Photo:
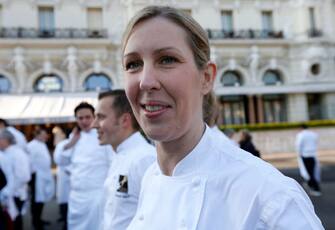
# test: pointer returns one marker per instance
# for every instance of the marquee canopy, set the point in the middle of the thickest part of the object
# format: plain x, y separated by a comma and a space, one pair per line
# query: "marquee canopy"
42, 108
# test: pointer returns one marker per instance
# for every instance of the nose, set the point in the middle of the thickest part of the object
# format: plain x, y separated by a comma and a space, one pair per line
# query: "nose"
149, 79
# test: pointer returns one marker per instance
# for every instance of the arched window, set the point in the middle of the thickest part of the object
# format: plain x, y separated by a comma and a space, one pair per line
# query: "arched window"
5, 84
48, 83
231, 78
272, 77
97, 82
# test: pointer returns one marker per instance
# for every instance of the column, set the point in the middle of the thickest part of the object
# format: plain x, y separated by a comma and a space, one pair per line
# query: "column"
260, 109
251, 109
297, 107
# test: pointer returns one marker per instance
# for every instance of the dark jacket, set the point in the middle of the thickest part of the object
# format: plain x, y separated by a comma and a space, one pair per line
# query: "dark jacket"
3, 180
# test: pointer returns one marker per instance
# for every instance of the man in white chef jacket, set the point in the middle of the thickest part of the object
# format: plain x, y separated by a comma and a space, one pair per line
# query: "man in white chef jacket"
6, 208
306, 147
20, 170
42, 182
19, 136
89, 167
118, 127
63, 183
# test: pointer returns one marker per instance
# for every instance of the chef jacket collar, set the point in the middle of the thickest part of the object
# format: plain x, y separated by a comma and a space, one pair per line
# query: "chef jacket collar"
193, 160
132, 140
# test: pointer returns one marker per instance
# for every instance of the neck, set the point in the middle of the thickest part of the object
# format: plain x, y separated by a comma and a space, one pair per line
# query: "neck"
172, 152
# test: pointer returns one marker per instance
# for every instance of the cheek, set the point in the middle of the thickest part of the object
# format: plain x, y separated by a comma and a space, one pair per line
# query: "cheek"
131, 91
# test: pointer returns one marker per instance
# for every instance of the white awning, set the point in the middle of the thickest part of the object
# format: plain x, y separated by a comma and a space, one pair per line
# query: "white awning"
42, 108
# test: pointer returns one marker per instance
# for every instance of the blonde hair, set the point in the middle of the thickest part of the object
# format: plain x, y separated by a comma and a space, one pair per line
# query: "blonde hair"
210, 109
196, 36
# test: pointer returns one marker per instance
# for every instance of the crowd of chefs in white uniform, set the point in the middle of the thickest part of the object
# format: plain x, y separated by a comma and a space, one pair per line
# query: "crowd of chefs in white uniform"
111, 180
97, 187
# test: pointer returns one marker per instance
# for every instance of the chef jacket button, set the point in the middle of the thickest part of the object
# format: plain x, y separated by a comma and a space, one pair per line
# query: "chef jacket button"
141, 217
196, 182
183, 225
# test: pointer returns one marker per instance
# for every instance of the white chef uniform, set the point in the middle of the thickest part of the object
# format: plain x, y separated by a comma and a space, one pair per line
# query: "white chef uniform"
63, 175
89, 167
20, 170
41, 165
122, 187
219, 186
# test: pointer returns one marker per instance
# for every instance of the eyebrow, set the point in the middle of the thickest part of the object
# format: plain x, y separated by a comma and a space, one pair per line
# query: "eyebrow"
155, 52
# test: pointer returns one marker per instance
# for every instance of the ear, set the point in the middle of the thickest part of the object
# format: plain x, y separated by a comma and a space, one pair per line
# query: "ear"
209, 74
125, 120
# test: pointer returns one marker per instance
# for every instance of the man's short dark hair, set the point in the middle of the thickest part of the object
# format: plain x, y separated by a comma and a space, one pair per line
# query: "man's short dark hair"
304, 126
38, 130
83, 105
4, 122
120, 104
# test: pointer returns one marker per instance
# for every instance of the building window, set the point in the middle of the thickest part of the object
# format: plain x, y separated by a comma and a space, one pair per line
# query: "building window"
1, 21
48, 83
272, 78
233, 109
227, 20
97, 82
46, 21
315, 106
5, 84
312, 23
267, 21
231, 78
94, 18
315, 69
274, 108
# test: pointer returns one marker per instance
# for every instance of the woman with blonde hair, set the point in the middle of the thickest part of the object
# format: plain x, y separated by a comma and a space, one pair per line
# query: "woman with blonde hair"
198, 181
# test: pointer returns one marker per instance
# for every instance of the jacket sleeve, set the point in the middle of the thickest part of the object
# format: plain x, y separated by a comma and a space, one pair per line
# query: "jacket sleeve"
22, 172
62, 157
298, 144
289, 211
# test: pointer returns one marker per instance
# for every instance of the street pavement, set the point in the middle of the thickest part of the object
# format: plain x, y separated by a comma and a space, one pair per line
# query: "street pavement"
286, 163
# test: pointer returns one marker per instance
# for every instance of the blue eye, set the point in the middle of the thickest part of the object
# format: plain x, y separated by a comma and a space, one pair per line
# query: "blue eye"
133, 65
168, 60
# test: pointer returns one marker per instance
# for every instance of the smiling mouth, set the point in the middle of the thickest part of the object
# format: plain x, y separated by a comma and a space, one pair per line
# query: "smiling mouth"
154, 108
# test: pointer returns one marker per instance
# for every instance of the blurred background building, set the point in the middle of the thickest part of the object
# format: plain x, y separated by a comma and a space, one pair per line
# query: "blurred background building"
276, 58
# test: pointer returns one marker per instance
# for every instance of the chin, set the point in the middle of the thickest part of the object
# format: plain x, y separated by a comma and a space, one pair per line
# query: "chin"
101, 142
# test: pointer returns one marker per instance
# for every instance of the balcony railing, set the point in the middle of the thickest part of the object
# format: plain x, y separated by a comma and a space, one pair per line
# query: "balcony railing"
245, 34
313, 33
67, 33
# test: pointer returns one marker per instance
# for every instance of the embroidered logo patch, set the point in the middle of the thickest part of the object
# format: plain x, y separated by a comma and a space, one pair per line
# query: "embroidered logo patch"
123, 182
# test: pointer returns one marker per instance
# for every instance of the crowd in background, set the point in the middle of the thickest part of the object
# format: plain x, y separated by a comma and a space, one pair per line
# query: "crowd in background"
32, 162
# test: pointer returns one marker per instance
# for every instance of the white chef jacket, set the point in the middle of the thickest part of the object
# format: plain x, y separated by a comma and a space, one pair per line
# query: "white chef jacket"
219, 186
5, 165
41, 165
20, 168
220, 134
122, 186
306, 146
63, 175
7, 194
89, 167
19, 137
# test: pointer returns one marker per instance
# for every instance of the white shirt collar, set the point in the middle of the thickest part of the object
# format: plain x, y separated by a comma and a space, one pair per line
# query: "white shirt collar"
132, 140
192, 161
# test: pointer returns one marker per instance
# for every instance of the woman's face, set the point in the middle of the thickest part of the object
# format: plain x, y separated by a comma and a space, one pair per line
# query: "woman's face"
163, 84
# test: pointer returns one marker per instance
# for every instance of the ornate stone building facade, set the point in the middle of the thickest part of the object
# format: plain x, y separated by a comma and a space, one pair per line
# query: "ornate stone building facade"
276, 58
